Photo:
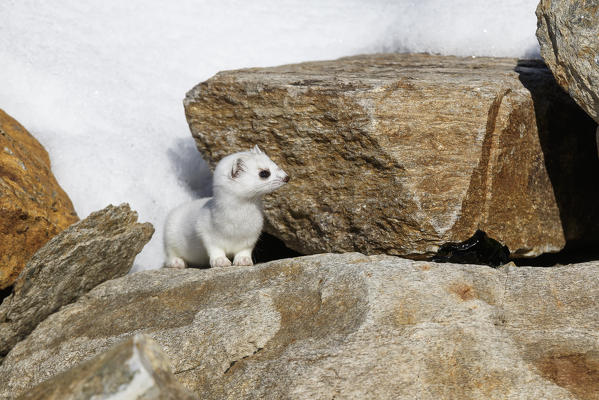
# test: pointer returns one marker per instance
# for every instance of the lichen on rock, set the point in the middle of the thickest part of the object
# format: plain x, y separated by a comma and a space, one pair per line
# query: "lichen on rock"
33, 206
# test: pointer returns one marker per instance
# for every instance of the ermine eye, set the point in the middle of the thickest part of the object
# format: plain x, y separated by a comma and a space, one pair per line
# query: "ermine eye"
264, 174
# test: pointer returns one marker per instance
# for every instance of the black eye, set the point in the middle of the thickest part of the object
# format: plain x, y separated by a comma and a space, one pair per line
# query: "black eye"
264, 174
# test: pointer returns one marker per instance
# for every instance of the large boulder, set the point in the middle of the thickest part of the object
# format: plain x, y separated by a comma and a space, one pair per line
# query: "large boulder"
134, 369
344, 326
568, 32
98, 248
401, 153
33, 207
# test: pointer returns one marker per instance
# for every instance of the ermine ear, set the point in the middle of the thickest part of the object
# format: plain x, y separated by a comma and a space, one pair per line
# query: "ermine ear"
238, 168
256, 150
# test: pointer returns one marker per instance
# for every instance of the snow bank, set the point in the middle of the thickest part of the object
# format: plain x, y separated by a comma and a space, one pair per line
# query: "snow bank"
101, 84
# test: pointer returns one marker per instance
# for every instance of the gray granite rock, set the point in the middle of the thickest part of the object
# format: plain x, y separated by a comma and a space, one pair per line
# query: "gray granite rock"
568, 32
134, 369
340, 326
96, 249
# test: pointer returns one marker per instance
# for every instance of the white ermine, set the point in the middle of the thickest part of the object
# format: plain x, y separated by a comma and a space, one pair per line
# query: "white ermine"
207, 231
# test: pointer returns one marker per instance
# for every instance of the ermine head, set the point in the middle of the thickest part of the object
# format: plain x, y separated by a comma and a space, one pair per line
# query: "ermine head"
248, 174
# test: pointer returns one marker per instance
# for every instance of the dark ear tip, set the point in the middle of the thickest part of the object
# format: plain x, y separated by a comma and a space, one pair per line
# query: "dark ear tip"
237, 168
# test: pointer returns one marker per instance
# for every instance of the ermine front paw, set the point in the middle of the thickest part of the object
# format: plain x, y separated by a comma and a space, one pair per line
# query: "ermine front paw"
243, 261
220, 262
176, 262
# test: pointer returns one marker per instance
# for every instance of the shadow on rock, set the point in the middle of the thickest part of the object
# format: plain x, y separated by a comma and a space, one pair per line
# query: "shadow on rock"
190, 168
567, 137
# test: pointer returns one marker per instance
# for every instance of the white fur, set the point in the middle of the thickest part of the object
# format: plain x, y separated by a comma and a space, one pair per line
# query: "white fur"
209, 230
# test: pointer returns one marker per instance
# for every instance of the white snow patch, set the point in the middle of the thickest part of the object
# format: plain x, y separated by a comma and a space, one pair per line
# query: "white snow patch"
101, 83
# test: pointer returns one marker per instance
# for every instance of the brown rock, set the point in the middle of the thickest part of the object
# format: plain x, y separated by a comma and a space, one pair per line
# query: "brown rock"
33, 207
103, 246
340, 326
134, 369
568, 32
399, 154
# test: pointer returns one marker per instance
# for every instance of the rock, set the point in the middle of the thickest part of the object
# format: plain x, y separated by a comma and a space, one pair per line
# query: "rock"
568, 32
101, 247
33, 207
401, 153
134, 369
340, 325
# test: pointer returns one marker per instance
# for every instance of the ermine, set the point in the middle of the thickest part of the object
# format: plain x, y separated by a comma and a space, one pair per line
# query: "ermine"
209, 230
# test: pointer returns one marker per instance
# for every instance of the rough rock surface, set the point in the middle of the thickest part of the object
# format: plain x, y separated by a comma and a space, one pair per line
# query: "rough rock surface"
134, 369
33, 207
98, 248
341, 326
568, 32
399, 154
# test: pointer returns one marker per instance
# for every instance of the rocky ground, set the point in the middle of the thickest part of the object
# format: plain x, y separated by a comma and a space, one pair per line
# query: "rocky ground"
391, 156
344, 325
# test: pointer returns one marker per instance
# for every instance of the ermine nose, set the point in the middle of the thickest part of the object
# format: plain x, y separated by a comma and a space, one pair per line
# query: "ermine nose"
286, 178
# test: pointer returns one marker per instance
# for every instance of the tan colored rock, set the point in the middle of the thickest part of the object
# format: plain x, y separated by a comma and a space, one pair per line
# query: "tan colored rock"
568, 32
340, 325
399, 154
103, 246
33, 207
134, 369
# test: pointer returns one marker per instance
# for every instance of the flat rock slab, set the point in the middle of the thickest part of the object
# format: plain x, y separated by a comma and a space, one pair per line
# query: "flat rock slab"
33, 206
134, 369
568, 32
340, 326
400, 153
103, 246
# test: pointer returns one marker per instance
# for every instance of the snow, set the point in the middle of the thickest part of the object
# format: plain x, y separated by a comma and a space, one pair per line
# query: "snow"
101, 83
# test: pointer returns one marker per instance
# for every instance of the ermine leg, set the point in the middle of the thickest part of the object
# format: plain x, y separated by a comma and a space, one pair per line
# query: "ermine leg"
176, 262
218, 258
243, 258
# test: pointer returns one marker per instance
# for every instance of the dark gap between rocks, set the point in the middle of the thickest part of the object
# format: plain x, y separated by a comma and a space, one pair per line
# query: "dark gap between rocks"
567, 138
571, 254
478, 249
4, 293
269, 248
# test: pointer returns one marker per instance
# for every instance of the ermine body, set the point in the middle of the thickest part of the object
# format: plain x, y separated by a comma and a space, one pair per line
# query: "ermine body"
209, 230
